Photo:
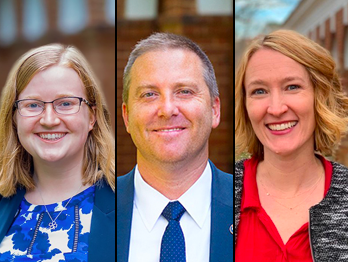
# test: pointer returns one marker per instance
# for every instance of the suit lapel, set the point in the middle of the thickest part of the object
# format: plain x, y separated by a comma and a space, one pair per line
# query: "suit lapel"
102, 235
221, 239
8, 209
125, 198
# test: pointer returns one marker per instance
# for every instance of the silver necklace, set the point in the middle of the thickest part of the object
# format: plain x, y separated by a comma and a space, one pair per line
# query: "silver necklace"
53, 224
298, 204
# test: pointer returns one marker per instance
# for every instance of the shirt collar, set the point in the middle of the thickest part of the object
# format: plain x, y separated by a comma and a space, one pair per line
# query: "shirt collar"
150, 203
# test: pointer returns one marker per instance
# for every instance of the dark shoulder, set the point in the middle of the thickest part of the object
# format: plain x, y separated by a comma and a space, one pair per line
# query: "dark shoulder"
339, 169
125, 187
123, 181
221, 174
223, 177
339, 175
103, 188
222, 186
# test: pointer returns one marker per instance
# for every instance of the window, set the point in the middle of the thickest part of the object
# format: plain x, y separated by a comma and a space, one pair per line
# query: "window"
110, 11
72, 15
8, 26
216, 7
34, 19
140, 9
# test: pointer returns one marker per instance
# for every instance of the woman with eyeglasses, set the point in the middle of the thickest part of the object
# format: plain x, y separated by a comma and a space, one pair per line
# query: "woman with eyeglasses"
57, 161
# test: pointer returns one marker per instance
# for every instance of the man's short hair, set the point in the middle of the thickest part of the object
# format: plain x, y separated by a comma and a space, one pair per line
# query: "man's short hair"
162, 41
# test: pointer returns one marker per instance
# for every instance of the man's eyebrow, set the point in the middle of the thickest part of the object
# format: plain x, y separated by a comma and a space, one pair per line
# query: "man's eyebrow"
139, 88
186, 83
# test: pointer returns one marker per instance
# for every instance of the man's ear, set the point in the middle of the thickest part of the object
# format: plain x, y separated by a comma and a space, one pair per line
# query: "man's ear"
216, 112
125, 115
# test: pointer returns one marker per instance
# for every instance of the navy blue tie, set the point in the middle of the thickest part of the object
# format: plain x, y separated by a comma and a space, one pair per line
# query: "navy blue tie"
173, 241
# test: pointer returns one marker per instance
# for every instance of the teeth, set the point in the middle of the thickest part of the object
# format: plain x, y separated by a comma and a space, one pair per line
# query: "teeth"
170, 130
51, 136
283, 126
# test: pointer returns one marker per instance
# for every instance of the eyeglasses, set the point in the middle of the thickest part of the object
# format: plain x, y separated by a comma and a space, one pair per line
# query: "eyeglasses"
64, 106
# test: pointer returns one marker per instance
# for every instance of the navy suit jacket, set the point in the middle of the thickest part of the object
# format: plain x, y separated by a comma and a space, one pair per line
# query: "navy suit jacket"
221, 238
101, 246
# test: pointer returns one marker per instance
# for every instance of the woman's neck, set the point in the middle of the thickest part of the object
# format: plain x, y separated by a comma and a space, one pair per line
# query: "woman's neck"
290, 174
57, 182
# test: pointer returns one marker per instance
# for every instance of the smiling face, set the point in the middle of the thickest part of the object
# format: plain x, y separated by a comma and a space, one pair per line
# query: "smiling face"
280, 102
170, 113
50, 137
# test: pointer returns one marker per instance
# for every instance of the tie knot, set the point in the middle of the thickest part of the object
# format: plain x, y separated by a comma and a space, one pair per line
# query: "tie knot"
173, 211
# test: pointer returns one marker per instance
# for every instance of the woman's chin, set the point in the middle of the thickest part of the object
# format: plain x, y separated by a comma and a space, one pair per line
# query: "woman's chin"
283, 152
49, 158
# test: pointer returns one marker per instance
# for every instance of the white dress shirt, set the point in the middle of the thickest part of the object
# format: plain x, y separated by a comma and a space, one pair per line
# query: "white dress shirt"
148, 225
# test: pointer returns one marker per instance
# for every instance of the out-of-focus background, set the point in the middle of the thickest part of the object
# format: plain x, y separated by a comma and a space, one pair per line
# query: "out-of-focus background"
87, 24
324, 21
210, 25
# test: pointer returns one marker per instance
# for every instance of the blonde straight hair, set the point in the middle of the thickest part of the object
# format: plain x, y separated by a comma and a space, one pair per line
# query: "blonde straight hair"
330, 102
16, 164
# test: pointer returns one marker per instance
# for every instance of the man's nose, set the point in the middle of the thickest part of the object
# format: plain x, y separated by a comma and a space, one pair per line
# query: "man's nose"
167, 107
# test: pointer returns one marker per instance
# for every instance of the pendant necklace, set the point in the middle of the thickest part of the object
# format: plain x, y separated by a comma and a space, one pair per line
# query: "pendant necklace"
311, 190
53, 225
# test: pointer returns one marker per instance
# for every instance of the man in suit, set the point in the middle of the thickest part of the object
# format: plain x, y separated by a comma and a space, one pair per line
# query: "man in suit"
175, 205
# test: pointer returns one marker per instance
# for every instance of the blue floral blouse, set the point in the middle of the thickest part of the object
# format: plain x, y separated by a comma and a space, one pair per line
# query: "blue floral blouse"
31, 239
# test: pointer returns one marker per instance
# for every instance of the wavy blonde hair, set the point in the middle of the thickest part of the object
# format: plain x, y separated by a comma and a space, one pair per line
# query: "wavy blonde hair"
16, 164
331, 104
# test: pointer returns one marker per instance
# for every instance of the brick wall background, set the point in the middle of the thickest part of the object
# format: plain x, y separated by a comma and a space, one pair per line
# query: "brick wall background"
214, 34
96, 41
340, 48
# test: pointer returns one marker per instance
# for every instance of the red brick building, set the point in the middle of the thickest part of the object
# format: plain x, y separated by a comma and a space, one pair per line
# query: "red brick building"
214, 34
88, 25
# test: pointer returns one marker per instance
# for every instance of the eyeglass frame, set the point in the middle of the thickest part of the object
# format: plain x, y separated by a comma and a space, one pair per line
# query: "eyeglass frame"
54, 108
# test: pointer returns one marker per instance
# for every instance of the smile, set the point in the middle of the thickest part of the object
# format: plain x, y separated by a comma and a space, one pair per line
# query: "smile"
281, 127
170, 130
52, 136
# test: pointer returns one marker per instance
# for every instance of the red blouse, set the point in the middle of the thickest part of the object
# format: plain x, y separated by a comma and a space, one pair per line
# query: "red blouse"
258, 238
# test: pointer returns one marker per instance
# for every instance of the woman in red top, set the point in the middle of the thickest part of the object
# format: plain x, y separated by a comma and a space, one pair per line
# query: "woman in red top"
291, 203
